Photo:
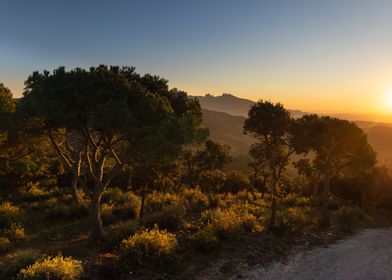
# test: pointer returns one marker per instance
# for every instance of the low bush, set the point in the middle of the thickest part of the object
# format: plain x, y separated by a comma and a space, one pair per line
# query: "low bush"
107, 213
8, 213
169, 217
349, 217
118, 232
113, 195
125, 204
52, 202
157, 200
194, 199
156, 246
56, 268
15, 232
293, 200
293, 219
33, 191
5, 244
19, 260
128, 207
229, 222
70, 211
205, 239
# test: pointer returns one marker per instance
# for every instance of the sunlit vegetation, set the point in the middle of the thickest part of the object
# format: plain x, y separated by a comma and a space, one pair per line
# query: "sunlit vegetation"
53, 268
105, 171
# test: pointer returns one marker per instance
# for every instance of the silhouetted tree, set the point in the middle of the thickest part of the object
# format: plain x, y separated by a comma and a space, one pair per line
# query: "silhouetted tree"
104, 116
271, 125
214, 156
340, 147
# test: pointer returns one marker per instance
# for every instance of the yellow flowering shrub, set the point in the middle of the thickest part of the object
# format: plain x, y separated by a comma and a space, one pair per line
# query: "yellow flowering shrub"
8, 213
229, 222
53, 268
33, 191
149, 246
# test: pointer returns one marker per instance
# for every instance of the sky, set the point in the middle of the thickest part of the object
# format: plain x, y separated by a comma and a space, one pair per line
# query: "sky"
313, 55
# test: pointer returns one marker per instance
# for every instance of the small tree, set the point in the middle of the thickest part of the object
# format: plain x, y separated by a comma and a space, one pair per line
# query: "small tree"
271, 125
214, 156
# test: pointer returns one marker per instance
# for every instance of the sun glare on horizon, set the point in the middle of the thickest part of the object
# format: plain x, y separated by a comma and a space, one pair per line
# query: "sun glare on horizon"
388, 101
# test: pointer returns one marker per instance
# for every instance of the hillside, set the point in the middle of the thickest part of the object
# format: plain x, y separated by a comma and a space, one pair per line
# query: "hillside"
227, 129
232, 105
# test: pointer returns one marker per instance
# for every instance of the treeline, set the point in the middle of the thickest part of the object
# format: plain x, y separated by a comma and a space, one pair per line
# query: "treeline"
87, 131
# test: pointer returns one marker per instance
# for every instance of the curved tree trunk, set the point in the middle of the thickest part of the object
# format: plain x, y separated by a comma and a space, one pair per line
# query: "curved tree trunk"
95, 218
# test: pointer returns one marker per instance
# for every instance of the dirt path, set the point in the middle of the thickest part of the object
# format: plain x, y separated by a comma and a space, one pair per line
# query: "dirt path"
366, 255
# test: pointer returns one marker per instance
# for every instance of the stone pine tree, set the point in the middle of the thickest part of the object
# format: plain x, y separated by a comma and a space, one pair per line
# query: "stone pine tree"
102, 117
340, 147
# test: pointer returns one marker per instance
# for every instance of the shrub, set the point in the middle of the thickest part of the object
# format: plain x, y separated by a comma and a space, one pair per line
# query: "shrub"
52, 202
19, 260
8, 213
15, 232
349, 217
107, 213
194, 199
293, 219
58, 268
33, 191
157, 200
153, 245
235, 182
128, 207
205, 239
120, 231
249, 222
125, 204
293, 200
69, 197
113, 195
63, 211
230, 222
170, 217
4, 244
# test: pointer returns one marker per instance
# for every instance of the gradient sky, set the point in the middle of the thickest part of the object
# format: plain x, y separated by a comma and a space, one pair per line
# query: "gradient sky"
313, 55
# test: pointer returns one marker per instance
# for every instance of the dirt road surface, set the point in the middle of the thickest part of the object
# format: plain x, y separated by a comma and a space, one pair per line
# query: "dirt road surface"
366, 255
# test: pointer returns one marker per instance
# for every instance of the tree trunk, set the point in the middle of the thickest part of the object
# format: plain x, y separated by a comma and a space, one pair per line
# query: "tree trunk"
273, 208
95, 218
76, 175
325, 211
74, 186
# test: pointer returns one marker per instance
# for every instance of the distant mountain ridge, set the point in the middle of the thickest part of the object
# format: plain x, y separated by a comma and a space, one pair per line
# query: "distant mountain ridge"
232, 105
227, 127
